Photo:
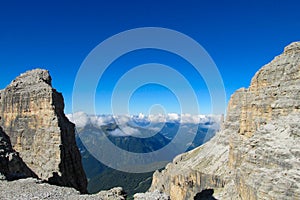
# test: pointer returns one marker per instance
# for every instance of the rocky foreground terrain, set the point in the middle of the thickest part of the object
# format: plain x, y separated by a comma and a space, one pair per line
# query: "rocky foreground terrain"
257, 153
35, 189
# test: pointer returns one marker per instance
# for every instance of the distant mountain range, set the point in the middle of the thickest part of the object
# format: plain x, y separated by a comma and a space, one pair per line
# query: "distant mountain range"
138, 134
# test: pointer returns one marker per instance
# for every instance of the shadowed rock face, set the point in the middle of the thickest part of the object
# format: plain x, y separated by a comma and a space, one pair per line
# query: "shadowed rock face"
256, 155
11, 165
31, 114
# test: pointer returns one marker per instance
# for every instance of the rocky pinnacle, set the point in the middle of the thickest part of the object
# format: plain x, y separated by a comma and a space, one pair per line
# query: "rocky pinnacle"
32, 115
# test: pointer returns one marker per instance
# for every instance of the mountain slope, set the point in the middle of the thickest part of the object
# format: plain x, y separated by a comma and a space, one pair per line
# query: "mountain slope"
102, 177
256, 155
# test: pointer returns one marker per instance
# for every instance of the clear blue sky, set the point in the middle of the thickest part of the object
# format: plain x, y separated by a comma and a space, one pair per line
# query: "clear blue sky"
240, 36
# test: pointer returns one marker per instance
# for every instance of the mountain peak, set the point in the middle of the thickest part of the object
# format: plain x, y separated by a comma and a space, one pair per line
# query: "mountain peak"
294, 47
32, 77
32, 115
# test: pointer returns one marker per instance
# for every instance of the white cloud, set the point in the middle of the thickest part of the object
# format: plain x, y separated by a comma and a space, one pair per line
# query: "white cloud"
160, 118
173, 117
129, 130
141, 116
81, 119
117, 132
101, 120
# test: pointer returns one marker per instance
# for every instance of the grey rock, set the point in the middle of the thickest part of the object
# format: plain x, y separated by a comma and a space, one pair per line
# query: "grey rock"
112, 194
155, 195
256, 154
11, 165
32, 115
31, 188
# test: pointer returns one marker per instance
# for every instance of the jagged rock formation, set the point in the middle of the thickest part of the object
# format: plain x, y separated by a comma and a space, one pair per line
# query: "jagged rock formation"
257, 154
11, 165
31, 114
35, 189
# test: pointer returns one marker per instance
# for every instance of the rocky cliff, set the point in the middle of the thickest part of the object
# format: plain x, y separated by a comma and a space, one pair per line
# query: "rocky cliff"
11, 165
31, 114
257, 154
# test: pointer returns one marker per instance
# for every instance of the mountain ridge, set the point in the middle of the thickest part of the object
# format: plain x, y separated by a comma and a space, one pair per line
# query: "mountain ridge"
161, 134
250, 158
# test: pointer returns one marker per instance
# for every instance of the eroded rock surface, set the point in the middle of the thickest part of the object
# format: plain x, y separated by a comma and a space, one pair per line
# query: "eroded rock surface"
257, 154
35, 189
155, 195
31, 114
11, 165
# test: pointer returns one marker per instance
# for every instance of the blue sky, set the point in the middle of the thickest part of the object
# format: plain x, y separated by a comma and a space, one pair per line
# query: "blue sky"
240, 36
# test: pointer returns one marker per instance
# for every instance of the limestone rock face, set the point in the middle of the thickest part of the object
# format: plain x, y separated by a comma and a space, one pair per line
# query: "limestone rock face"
31, 114
11, 165
257, 153
155, 195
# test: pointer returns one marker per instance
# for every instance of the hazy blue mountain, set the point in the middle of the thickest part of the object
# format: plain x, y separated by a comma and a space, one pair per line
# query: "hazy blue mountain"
125, 132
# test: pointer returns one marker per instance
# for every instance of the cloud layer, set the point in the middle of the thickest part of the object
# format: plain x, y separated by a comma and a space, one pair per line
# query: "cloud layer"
82, 119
